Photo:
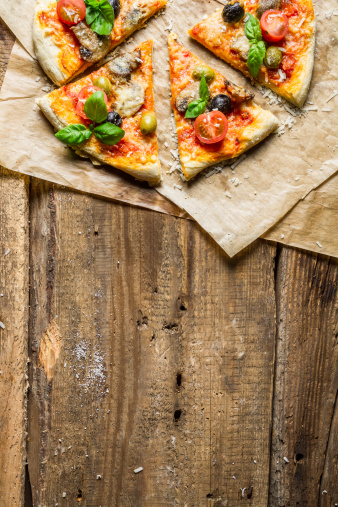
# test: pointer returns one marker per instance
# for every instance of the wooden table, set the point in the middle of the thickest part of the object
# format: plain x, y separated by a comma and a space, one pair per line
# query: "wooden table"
131, 340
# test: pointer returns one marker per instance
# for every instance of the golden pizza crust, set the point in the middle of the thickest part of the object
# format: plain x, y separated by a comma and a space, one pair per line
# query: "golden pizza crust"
215, 35
57, 48
197, 156
148, 169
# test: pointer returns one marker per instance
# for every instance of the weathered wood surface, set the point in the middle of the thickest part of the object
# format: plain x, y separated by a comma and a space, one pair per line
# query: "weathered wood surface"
304, 429
150, 348
14, 293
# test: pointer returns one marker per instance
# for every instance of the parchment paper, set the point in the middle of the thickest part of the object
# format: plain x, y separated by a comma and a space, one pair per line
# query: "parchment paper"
262, 189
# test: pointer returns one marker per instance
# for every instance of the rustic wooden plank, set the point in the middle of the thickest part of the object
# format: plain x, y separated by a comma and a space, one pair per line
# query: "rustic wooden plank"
158, 353
306, 381
14, 302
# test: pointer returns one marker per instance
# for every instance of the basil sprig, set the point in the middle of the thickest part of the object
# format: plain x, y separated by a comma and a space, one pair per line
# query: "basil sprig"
257, 46
100, 16
108, 133
198, 106
74, 134
96, 110
95, 107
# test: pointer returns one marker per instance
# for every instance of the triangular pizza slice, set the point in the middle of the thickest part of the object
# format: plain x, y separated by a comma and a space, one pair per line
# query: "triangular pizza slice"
270, 41
70, 35
215, 119
109, 115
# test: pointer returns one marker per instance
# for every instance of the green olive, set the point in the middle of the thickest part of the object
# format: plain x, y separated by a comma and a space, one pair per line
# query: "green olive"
273, 57
103, 83
148, 123
209, 74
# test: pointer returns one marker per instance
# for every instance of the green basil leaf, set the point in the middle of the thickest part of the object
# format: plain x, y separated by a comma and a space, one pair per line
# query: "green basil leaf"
195, 108
73, 134
256, 57
95, 107
92, 3
101, 26
204, 90
108, 133
107, 11
91, 14
104, 22
252, 29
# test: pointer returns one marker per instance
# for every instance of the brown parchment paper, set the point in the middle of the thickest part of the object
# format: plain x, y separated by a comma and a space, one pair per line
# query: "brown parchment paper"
234, 207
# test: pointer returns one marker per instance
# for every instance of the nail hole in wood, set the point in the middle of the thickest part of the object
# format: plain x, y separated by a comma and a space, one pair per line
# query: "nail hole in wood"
179, 379
177, 415
299, 457
210, 495
250, 491
183, 308
79, 496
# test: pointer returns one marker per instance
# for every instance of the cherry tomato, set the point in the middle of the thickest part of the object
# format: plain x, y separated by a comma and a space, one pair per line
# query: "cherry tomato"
84, 94
71, 12
274, 25
211, 127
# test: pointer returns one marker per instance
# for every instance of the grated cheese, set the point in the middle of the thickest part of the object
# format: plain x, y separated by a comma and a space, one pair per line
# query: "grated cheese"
320, 246
178, 187
312, 108
326, 109
301, 22
2, 325
238, 161
334, 94
282, 75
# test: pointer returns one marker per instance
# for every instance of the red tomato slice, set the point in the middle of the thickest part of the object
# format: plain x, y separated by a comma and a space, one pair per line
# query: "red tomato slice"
71, 12
274, 25
211, 127
84, 94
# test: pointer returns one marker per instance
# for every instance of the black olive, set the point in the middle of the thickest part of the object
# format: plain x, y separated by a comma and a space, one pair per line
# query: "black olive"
116, 5
85, 53
220, 102
115, 118
232, 12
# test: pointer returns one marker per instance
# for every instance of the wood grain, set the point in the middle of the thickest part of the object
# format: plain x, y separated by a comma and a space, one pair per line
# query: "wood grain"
166, 359
14, 301
304, 447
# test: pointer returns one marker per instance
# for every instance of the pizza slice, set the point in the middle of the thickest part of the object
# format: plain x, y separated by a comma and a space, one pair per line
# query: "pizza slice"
270, 41
109, 115
71, 35
215, 119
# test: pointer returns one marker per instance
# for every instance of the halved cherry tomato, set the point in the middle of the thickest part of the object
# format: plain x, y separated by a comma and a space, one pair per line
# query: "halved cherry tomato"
71, 12
211, 127
274, 25
84, 94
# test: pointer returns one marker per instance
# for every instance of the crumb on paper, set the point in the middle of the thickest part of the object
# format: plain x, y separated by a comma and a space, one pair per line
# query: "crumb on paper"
227, 194
179, 187
64, 494
138, 470
282, 236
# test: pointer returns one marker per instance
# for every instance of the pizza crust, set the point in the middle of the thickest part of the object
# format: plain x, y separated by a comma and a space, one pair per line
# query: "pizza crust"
265, 123
150, 172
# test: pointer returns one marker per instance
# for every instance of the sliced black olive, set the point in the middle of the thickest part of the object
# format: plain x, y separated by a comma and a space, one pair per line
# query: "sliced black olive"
233, 11
85, 53
221, 102
114, 118
116, 5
